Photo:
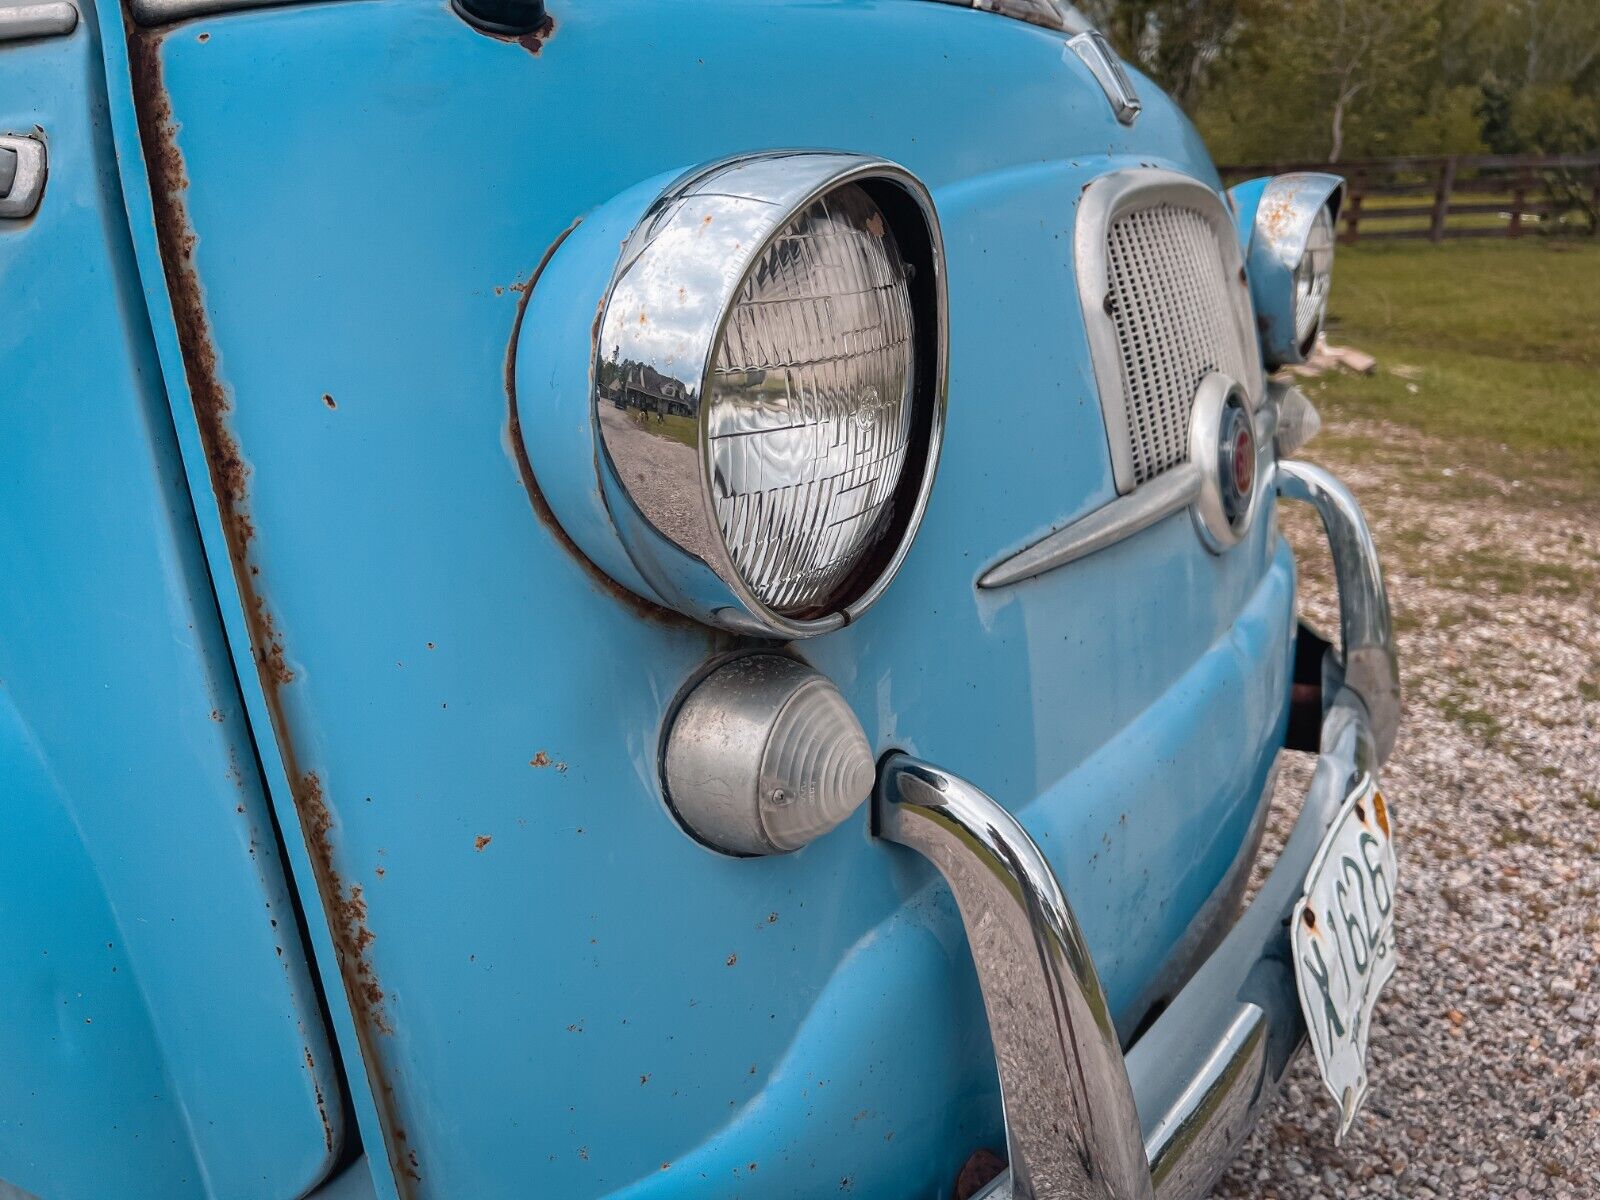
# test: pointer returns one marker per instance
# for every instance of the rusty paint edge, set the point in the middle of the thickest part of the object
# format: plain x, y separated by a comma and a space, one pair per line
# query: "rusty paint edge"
229, 473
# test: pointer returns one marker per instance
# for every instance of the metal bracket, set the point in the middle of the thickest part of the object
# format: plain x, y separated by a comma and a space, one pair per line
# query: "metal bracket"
26, 160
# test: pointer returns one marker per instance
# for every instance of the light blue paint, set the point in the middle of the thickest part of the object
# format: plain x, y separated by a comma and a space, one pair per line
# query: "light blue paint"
590, 1002
160, 1035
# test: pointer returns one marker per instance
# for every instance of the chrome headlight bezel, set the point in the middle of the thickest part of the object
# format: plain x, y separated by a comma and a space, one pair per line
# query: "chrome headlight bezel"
676, 284
1286, 215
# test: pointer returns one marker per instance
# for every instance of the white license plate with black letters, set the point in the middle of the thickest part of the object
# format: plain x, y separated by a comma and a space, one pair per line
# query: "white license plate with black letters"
1343, 936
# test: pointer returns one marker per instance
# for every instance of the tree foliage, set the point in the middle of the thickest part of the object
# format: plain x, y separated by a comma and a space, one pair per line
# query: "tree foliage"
1337, 79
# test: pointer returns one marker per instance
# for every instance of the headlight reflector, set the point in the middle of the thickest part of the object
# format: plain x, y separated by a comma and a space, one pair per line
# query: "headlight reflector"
1313, 276
811, 402
769, 388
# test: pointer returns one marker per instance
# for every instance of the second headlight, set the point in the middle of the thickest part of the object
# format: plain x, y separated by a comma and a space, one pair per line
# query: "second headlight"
769, 387
1288, 227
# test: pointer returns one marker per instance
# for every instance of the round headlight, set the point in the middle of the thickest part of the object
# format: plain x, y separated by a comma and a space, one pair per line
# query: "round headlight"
769, 388
1290, 258
1313, 276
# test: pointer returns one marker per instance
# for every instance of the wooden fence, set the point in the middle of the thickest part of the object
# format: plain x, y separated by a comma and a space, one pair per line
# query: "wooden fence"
1477, 195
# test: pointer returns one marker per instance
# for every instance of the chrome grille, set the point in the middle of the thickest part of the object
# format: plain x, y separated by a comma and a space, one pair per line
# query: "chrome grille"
1169, 302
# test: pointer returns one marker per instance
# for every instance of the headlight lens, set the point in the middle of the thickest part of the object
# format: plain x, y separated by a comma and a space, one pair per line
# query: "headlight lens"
1312, 278
769, 388
810, 403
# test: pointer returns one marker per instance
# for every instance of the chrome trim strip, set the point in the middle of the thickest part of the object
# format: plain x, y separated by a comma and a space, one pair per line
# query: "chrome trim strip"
1168, 493
1071, 1126
165, 12
21, 21
1371, 666
1096, 54
1048, 14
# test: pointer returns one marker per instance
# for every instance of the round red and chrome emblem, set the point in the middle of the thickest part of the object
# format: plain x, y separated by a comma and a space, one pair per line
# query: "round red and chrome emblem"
1244, 460
1236, 461
1222, 442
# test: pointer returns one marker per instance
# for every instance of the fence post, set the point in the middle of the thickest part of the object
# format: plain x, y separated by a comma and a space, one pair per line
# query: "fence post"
1352, 209
1441, 198
1519, 200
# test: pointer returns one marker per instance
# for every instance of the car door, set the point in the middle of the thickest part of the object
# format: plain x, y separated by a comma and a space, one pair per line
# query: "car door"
161, 1033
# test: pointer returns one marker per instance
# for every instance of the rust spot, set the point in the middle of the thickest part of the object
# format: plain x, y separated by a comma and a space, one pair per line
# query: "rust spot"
378, 871
322, 1104
1310, 919
328, 400
216, 714
534, 41
644, 1079
540, 759
977, 1173
482, 840
1382, 810
541, 507
732, 958
204, 37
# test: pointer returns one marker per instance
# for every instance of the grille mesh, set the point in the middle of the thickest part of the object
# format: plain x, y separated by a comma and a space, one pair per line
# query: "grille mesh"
1170, 307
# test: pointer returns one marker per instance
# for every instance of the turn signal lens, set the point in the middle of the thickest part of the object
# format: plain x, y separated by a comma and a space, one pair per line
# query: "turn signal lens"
810, 403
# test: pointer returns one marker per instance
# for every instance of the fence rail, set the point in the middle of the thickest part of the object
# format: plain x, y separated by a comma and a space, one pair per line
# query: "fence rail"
1512, 193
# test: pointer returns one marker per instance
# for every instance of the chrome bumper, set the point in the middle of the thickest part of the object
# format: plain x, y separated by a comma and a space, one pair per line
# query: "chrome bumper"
1082, 1119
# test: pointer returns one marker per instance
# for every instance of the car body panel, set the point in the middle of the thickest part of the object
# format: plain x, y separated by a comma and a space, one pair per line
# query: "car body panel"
549, 984
161, 1023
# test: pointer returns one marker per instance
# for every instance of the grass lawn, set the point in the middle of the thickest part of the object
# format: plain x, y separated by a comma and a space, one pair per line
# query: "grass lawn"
1494, 345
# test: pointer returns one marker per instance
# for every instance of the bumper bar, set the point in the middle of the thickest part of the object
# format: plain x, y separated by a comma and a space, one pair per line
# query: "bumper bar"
1082, 1120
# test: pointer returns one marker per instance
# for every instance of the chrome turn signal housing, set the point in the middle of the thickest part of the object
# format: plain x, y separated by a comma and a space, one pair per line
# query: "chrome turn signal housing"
768, 388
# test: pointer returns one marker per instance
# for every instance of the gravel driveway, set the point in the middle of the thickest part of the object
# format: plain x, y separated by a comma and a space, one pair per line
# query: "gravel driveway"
1486, 1073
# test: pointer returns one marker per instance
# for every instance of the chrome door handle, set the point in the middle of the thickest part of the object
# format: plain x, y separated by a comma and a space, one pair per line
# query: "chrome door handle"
54, 19
22, 172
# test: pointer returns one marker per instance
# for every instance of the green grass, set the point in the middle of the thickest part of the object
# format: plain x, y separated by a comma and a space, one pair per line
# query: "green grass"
1502, 342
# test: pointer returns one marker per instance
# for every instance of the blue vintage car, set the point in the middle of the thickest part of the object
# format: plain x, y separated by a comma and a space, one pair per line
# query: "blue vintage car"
657, 598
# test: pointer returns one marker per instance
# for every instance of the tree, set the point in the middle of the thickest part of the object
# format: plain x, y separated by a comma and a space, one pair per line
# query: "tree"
1175, 42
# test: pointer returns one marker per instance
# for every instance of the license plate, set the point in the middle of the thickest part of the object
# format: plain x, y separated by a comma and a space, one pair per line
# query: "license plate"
1344, 948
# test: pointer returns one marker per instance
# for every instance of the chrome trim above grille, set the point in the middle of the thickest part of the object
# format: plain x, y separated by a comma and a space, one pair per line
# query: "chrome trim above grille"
1105, 526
